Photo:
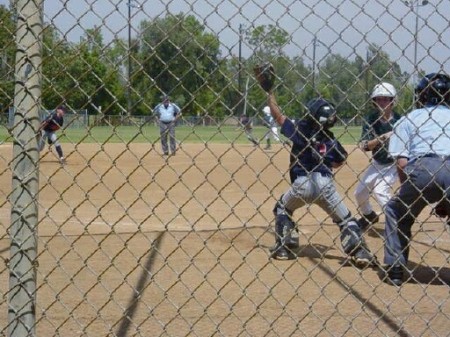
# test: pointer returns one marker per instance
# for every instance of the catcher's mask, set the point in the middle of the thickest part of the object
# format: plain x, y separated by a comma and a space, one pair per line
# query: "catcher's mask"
433, 89
322, 112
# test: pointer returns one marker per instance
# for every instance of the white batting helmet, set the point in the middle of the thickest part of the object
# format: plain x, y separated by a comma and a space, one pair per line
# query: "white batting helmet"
266, 110
384, 89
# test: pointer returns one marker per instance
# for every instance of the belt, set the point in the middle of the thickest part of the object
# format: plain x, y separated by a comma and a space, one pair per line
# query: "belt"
167, 122
434, 155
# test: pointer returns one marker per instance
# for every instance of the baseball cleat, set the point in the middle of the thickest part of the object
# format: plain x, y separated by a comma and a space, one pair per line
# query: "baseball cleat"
363, 257
282, 253
367, 220
394, 275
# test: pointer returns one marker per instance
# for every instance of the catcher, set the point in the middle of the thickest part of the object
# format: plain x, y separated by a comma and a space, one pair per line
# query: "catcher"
314, 154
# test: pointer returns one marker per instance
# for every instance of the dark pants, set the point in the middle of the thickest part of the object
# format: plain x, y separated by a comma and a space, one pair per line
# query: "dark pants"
167, 130
428, 182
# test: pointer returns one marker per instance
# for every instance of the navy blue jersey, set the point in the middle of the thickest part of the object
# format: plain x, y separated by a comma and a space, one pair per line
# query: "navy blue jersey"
312, 150
246, 122
53, 122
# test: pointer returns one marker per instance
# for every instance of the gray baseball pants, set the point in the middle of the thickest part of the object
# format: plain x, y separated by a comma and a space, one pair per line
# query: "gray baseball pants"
167, 130
316, 189
428, 182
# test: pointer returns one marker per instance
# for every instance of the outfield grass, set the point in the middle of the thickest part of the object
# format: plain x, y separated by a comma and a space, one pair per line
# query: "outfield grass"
186, 134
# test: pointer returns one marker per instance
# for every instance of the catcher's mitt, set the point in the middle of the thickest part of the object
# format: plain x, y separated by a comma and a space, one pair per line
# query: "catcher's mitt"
265, 74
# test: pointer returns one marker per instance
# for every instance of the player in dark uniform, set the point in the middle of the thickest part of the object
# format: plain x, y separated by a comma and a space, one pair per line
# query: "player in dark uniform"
247, 125
48, 129
314, 154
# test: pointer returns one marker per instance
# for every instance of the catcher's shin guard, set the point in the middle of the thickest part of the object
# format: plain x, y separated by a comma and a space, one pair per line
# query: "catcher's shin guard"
286, 240
354, 244
351, 237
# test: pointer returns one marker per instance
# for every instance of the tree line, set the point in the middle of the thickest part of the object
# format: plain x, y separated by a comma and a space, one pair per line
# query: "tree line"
177, 55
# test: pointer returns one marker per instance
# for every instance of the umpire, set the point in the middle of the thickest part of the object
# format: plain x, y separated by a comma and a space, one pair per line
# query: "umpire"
167, 114
421, 145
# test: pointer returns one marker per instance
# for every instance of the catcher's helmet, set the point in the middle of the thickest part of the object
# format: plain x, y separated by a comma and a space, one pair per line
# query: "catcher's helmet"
384, 89
322, 112
433, 89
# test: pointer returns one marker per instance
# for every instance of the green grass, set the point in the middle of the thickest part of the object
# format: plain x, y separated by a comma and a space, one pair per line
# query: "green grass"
185, 134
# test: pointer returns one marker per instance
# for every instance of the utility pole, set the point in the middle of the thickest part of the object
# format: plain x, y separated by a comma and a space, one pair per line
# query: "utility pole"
315, 41
314, 64
129, 70
23, 229
240, 59
414, 6
129, 103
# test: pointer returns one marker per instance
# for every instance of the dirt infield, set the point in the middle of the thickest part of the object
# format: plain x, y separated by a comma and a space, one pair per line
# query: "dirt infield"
135, 244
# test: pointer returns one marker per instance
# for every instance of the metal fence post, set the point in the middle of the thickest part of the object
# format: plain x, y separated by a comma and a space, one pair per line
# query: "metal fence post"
25, 173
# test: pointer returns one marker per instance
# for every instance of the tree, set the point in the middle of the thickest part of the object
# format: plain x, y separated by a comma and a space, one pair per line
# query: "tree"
376, 68
7, 57
267, 41
338, 82
99, 74
78, 75
55, 80
178, 57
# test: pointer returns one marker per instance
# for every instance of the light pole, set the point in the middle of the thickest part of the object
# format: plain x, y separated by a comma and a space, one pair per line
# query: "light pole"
414, 6
129, 61
315, 40
367, 73
241, 30
129, 101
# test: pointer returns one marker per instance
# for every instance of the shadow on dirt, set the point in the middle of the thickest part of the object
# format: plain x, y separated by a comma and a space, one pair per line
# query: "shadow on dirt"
127, 319
433, 275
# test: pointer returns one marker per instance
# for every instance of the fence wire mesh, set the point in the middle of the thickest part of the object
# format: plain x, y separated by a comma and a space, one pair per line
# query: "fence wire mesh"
132, 235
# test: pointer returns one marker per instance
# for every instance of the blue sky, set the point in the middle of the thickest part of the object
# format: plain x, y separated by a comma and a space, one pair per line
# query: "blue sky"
341, 26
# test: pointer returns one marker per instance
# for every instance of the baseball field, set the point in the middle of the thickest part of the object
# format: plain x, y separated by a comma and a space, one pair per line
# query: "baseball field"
132, 243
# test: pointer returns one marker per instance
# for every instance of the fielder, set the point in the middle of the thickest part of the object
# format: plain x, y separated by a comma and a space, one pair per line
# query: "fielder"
247, 125
381, 173
271, 125
48, 129
421, 145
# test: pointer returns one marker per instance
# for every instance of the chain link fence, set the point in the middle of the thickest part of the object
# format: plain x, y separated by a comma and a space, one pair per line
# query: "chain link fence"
125, 241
